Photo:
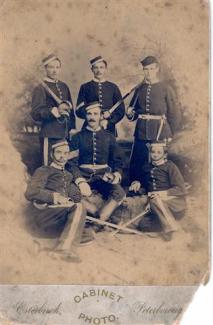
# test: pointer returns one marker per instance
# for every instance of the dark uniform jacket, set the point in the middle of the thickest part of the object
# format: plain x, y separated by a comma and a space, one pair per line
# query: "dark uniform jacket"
165, 177
155, 99
107, 94
42, 104
97, 148
47, 180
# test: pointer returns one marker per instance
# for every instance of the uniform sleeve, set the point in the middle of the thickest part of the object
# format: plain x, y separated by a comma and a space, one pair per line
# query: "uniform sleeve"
72, 164
40, 111
36, 187
134, 104
173, 111
176, 181
119, 112
115, 157
72, 114
80, 108
74, 193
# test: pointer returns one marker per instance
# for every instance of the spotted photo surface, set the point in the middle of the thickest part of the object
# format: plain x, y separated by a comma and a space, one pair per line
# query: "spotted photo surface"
105, 149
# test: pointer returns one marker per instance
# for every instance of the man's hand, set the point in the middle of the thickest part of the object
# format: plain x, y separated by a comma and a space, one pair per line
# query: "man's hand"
161, 194
63, 109
130, 111
60, 199
106, 115
135, 186
117, 178
85, 189
108, 177
104, 124
73, 131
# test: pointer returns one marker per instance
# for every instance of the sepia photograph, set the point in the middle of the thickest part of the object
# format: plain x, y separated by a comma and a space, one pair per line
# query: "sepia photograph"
104, 143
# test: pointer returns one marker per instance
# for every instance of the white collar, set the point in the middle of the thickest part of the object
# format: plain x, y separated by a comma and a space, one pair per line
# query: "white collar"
99, 81
159, 162
50, 80
54, 165
90, 129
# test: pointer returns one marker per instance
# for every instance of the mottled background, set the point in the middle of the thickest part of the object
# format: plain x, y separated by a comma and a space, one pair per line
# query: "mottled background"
123, 32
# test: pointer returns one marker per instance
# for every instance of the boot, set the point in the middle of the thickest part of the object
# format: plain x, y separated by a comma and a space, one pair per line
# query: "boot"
107, 209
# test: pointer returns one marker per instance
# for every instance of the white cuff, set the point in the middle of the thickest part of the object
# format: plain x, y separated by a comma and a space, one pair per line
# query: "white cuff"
55, 112
80, 180
69, 103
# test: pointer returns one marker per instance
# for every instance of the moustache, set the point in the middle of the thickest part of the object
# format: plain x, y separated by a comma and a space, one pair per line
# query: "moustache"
91, 120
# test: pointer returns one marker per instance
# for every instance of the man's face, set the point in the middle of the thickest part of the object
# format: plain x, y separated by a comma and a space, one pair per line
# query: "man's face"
151, 72
157, 153
53, 69
60, 155
93, 117
99, 70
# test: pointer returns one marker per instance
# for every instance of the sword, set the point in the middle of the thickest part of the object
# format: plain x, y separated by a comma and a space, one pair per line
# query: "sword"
53, 95
113, 108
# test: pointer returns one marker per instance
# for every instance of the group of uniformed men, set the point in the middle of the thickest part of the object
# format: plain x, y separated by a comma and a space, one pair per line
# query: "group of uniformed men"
75, 164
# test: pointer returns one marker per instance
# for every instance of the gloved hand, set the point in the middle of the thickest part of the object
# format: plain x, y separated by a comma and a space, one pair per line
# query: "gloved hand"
104, 124
85, 189
60, 199
135, 186
63, 109
117, 178
130, 112
106, 115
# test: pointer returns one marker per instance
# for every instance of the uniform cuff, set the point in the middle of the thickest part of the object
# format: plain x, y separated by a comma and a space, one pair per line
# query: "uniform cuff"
80, 180
68, 103
55, 112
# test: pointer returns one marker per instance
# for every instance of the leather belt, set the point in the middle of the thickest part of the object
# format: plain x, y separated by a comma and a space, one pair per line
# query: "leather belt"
93, 167
151, 117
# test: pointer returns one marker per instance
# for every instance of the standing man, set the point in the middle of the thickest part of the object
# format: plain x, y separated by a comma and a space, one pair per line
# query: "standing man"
103, 91
57, 208
55, 114
99, 162
154, 107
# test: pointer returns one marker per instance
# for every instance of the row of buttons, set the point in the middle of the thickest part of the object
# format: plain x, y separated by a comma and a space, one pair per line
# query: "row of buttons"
100, 94
64, 182
59, 90
148, 98
94, 147
153, 180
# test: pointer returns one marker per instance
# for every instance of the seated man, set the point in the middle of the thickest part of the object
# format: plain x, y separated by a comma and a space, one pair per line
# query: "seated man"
165, 188
56, 199
98, 162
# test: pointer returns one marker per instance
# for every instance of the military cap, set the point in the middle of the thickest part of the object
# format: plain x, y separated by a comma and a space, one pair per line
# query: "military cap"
97, 59
51, 57
92, 105
148, 60
159, 144
60, 143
